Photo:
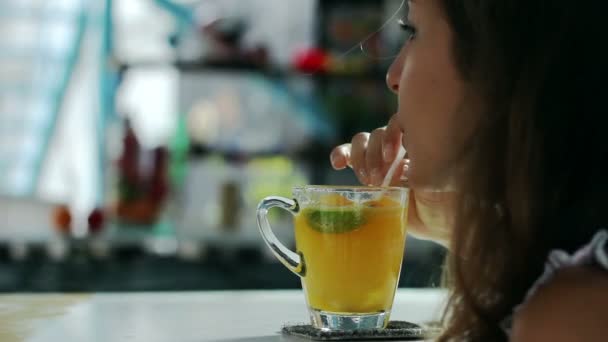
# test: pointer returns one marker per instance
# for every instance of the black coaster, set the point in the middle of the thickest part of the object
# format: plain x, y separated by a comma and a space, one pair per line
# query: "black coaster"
396, 330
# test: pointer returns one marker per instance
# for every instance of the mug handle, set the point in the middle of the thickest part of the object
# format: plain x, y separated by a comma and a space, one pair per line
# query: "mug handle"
293, 261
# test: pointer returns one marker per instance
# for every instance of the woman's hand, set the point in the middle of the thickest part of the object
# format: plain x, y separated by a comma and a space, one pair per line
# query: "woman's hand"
370, 155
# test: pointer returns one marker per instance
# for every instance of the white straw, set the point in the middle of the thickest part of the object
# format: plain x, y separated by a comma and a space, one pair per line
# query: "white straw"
391, 171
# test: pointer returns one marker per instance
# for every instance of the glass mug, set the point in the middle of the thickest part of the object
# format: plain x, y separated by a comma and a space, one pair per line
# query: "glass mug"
350, 243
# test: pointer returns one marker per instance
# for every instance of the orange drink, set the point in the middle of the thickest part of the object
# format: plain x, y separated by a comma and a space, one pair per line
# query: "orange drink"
350, 243
353, 254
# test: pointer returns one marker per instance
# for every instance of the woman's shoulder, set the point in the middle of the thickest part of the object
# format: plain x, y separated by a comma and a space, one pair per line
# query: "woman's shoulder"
571, 306
569, 302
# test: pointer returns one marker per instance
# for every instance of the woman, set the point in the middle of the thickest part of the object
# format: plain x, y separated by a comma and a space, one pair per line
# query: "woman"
502, 112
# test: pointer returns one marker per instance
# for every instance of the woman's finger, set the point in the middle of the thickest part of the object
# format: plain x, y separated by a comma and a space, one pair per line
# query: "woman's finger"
398, 179
340, 156
392, 140
373, 157
357, 157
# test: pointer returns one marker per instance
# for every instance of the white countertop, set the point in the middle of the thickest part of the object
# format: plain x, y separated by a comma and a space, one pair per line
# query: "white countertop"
247, 316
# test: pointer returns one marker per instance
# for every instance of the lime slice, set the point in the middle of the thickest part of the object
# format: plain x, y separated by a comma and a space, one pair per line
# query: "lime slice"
334, 221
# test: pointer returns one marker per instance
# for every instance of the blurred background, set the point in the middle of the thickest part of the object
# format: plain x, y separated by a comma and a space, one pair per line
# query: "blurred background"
138, 136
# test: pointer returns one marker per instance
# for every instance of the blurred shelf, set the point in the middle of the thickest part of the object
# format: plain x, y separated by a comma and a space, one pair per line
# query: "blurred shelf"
271, 72
314, 151
131, 270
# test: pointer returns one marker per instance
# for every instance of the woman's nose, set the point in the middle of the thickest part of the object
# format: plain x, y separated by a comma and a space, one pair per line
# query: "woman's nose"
393, 76
392, 82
